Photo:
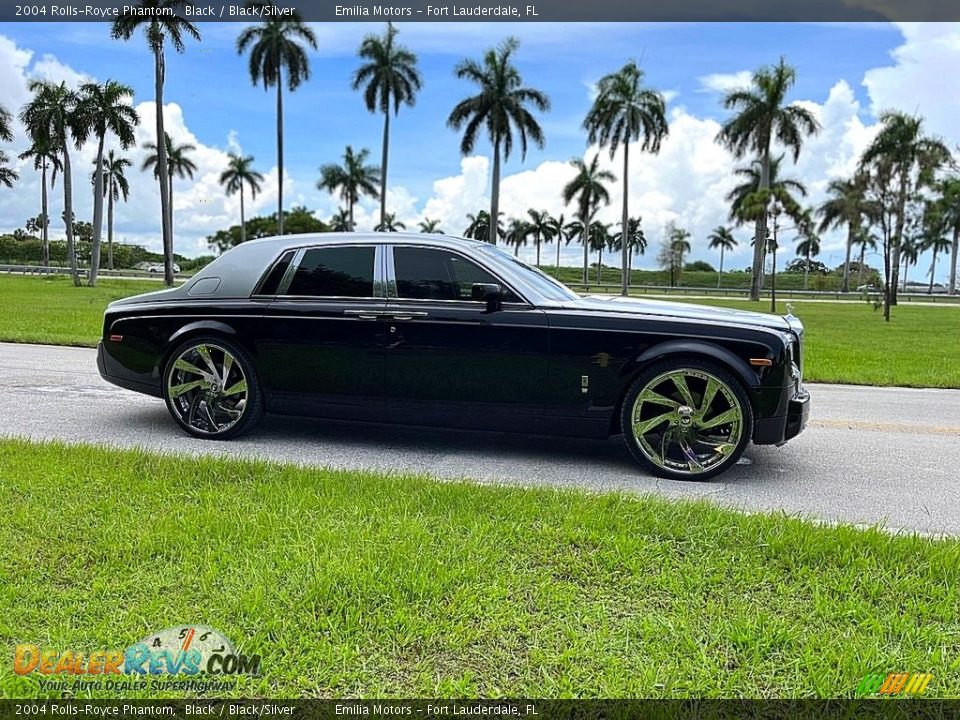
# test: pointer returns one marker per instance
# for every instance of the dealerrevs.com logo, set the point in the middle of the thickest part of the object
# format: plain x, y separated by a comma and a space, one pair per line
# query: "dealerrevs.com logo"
188, 650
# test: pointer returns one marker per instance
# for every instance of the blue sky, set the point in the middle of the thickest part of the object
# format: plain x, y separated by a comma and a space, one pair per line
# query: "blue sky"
220, 106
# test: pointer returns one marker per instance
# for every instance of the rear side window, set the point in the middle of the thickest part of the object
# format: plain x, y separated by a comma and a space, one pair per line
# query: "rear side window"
335, 272
432, 274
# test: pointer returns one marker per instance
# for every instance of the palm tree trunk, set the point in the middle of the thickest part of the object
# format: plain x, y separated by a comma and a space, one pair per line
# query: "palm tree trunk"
538, 249
170, 195
953, 259
863, 252
110, 191
624, 222
720, 274
585, 236
280, 152
760, 232
166, 230
383, 164
46, 221
243, 223
845, 286
933, 270
806, 270
898, 237
599, 264
559, 239
905, 266
350, 206
495, 193
97, 216
68, 213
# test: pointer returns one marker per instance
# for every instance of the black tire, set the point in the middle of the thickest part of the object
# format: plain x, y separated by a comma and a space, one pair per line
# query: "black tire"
190, 408
680, 427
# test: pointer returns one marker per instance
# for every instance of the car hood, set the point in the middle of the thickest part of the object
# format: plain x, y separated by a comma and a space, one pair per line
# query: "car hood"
685, 311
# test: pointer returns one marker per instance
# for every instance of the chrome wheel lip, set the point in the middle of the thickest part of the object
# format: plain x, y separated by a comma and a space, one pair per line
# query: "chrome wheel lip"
205, 394
711, 422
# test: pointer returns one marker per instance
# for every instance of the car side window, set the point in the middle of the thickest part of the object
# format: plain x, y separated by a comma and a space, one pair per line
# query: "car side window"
432, 274
335, 272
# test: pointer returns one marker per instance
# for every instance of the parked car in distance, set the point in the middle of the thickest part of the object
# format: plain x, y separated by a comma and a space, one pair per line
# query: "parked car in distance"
158, 268
448, 332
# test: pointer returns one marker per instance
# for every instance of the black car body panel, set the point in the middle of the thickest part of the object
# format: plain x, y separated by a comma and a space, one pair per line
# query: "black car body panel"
546, 361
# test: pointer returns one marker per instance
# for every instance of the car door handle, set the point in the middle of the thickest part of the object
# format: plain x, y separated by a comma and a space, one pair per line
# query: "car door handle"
406, 315
363, 314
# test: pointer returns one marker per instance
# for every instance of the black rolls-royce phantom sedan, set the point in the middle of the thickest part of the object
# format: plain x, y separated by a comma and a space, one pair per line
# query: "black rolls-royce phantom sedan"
448, 332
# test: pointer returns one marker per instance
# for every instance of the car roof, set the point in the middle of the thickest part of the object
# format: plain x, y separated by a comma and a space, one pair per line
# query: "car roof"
283, 242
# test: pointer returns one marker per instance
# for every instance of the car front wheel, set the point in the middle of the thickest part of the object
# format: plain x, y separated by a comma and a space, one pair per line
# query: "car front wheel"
686, 419
211, 389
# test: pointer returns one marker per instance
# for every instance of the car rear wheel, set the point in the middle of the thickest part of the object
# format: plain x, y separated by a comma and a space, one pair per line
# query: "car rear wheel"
211, 389
686, 419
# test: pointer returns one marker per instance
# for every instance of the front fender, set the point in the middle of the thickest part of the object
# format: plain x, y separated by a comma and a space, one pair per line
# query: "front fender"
699, 348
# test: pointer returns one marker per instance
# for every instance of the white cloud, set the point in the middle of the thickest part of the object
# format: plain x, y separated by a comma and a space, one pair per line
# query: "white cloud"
725, 82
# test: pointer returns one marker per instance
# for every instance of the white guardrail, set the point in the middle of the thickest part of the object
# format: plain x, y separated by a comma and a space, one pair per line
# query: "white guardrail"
83, 272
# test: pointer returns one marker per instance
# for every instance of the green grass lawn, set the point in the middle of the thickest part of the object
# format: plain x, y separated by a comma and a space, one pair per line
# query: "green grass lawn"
848, 343
357, 584
53, 311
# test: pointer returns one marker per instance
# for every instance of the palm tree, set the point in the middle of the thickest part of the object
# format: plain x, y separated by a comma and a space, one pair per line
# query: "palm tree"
845, 205
722, 238
390, 224
558, 226
105, 109
864, 240
623, 112
6, 125
160, 20
909, 254
936, 244
115, 187
517, 232
807, 248
589, 190
275, 46
679, 245
948, 204
51, 117
911, 158
239, 173
501, 107
542, 228
390, 78
8, 175
600, 238
178, 165
44, 155
762, 117
479, 227
636, 243
430, 226
341, 221
748, 200
353, 179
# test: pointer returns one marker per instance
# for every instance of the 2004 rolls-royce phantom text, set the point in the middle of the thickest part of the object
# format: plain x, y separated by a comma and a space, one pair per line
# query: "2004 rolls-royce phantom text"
448, 332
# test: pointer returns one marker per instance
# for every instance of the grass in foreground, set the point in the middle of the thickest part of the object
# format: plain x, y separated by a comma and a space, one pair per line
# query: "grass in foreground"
356, 584
847, 342
53, 311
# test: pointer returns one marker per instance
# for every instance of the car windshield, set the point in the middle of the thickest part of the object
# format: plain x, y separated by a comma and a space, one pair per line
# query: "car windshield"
539, 280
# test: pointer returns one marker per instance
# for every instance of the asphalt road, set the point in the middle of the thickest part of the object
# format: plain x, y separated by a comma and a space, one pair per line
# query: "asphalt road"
887, 456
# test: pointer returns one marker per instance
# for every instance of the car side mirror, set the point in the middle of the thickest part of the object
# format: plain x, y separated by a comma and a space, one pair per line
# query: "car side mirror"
490, 293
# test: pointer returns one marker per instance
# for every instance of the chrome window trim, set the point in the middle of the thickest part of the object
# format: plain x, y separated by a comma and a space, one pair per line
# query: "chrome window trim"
392, 276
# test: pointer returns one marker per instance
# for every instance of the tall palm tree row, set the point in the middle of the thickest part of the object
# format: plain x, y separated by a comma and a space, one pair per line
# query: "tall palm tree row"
277, 46
354, 179
947, 206
501, 107
390, 78
240, 174
116, 187
846, 204
105, 109
44, 156
52, 117
722, 238
587, 188
160, 20
761, 117
623, 112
